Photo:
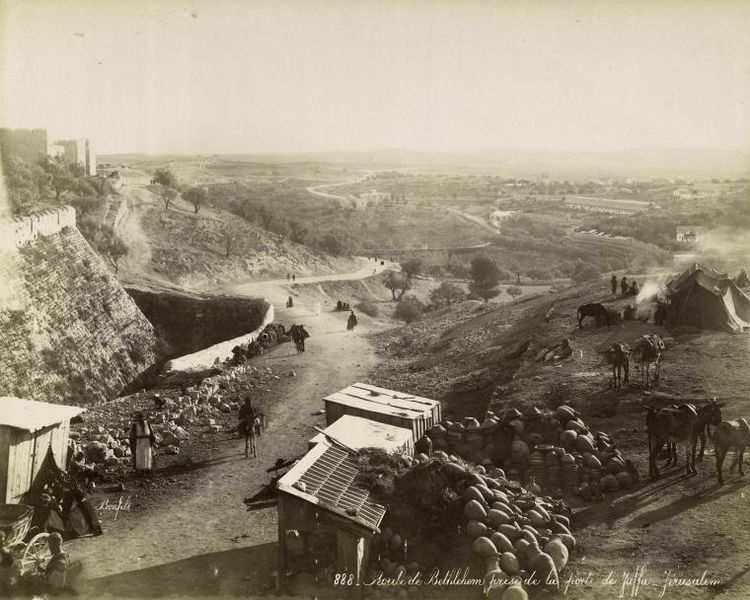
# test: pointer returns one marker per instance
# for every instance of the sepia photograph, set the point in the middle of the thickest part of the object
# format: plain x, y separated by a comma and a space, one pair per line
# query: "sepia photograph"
374, 299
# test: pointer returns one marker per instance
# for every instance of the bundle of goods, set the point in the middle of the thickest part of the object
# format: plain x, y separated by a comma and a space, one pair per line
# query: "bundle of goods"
552, 450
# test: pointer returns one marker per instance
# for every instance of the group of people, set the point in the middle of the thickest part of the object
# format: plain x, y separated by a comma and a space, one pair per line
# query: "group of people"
291, 277
627, 289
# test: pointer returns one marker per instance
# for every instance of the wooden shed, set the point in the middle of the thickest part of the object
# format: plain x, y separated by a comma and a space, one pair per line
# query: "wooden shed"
318, 498
358, 433
27, 430
408, 411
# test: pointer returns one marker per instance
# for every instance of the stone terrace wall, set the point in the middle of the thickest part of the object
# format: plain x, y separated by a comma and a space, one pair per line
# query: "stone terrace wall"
69, 332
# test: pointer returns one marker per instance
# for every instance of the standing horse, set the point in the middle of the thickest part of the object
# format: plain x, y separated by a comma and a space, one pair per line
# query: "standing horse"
618, 355
649, 349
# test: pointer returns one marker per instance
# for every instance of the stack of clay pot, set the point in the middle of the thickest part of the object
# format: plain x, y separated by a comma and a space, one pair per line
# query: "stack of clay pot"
555, 447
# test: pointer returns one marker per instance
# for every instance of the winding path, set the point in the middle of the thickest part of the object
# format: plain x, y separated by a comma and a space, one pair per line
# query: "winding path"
196, 538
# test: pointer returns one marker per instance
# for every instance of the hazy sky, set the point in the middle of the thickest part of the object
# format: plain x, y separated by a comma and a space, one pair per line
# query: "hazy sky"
233, 77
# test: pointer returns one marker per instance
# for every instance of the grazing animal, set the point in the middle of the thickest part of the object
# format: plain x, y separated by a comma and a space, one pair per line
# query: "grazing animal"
731, 434
649, 349
679, 423
599, 312
618, 355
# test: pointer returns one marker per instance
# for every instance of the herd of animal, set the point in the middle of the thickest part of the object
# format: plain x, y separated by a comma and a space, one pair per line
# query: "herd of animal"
677, 423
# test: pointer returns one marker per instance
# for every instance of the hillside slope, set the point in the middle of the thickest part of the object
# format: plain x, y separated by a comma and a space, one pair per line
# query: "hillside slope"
475, 356
181, 247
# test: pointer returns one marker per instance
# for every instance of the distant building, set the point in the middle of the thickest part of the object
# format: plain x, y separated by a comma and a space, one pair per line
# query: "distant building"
371, 198
688, 233
76, 152
607, 205
694, 194
26, 144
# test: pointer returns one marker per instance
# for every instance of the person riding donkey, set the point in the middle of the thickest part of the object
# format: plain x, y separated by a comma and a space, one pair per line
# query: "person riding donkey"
249, 426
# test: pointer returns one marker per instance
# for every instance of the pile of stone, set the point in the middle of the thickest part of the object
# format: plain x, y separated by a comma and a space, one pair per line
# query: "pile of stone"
551, 450
175, 415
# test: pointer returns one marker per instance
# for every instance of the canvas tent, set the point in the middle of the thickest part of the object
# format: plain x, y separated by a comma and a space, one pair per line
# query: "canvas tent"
27, 429
702, 297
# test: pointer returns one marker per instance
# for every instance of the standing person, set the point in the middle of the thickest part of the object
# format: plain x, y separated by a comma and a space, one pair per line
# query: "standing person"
351, 322
613, 283
142, 440
624, 287
288, 276
294, 277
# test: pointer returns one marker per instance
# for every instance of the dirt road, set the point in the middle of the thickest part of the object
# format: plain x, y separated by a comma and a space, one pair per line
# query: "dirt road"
197, 538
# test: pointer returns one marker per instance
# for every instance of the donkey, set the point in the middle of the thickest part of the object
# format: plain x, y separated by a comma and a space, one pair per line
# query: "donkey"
679, 423
599, 312
731, 434
649, 349
298, 335
618, 355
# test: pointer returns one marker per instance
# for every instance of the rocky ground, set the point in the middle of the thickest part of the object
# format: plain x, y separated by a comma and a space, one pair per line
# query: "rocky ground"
475, 357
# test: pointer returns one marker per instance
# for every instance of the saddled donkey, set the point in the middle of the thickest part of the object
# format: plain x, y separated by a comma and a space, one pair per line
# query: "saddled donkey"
675, 424
251, 427
618, 355
598, 311
649, 349
298, 333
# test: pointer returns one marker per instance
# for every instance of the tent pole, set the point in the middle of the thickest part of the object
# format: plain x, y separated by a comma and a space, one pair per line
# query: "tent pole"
33, 462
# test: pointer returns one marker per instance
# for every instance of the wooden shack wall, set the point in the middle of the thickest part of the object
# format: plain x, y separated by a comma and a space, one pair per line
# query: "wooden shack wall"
22, 457
353, 542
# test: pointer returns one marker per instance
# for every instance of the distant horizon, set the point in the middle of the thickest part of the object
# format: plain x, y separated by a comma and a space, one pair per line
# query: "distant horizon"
300, 77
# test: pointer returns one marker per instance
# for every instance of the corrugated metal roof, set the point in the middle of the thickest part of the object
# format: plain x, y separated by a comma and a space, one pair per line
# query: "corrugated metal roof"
372, 398
32, 416
325, 476
357, 432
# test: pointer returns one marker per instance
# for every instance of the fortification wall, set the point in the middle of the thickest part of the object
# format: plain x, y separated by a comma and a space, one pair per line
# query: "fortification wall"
69, 332
20, 231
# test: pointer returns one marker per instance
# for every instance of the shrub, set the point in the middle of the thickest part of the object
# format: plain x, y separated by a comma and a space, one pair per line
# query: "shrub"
367, 307
409, 310
514, 291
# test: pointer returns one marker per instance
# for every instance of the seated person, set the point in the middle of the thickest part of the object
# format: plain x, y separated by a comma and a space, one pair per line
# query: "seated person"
59, 574
7, 573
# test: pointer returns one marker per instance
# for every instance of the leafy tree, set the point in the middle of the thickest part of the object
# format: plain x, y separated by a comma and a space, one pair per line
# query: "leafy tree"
412, 267
61, 178
485, 276
398, 283
514, 291
104, 240
447, 293
167, 185
197, 196
26, 183
409, 310
458, 270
